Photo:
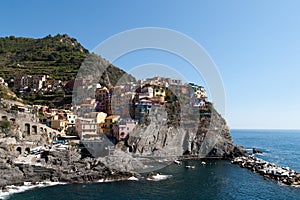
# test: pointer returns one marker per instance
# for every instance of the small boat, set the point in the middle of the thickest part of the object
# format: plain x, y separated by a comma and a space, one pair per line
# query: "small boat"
177, 162
203, 163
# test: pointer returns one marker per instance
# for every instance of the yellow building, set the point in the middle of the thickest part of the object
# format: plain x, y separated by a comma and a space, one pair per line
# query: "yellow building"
160, 93
60, 125
109, 123
99, 118
200, 93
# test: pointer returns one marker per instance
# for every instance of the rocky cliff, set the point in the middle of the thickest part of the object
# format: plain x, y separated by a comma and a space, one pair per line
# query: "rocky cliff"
62, 166
197, 135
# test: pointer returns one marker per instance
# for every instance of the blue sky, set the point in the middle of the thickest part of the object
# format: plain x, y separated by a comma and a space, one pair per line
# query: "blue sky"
255, 44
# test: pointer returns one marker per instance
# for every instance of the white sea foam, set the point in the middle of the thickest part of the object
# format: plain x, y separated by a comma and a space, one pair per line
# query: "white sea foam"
158, 177
107, 180
9, 190
133, 178
115, 180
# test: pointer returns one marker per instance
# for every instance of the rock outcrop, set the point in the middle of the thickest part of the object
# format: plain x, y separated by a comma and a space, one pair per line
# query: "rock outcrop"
255, 150
201, 136
269, 170
62, 166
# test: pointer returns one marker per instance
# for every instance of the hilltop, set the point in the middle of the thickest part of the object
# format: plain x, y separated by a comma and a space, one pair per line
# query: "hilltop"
58, 56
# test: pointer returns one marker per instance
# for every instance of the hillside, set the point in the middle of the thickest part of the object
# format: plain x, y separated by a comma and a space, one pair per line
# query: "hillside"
58, 56
6, 93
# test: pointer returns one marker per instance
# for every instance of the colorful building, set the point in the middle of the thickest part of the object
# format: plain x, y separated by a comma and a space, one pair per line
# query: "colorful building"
86, 128
159, 93
125, 128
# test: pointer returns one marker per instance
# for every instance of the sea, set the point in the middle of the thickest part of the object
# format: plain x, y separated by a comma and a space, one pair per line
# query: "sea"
216, 180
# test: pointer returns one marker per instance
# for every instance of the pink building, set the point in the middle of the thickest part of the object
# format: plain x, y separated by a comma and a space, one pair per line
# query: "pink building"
126, 128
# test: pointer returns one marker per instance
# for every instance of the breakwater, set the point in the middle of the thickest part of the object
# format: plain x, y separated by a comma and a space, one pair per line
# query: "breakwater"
269, 170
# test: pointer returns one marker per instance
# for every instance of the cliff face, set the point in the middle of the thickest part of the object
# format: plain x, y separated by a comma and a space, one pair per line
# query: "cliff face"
63, 166
204, 136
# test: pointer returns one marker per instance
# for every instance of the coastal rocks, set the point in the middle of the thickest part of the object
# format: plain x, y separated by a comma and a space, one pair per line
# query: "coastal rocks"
238, 151
268, 170
71, 168
207, 137
122, 161
255, 150
157, 139
10, 175
62, 166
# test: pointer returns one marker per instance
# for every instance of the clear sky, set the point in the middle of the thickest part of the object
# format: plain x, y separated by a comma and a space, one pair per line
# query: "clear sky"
255, 44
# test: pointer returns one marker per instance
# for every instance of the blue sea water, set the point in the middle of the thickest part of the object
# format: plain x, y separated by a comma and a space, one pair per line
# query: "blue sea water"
215, 180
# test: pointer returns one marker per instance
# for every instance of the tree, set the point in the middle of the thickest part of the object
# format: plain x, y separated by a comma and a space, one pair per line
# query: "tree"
4, 124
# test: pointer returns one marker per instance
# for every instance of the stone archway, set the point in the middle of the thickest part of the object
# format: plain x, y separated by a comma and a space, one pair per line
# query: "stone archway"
19, 149
27, 149
27, 129
34, 129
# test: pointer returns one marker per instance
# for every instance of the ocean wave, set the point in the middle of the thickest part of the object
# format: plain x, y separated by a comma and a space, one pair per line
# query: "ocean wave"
158, 177
12, 189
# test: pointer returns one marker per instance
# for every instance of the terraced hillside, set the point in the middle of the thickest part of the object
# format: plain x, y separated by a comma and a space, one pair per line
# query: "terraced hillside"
59, 57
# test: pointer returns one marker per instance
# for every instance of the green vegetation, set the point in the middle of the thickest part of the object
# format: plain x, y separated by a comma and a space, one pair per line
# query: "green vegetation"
59, 57
6, 93
4, 124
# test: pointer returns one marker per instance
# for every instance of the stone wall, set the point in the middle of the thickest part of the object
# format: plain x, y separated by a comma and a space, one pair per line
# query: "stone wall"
28, 124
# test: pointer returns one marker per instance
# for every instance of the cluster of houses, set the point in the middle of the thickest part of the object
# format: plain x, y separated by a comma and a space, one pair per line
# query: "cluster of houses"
90, 126
114, 111
36, 83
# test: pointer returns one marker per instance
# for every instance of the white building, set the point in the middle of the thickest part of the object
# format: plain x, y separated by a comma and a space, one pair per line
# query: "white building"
86, 128
71, 119
146, 92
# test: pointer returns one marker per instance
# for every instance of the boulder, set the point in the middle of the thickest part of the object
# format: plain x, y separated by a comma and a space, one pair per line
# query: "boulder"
255, 150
